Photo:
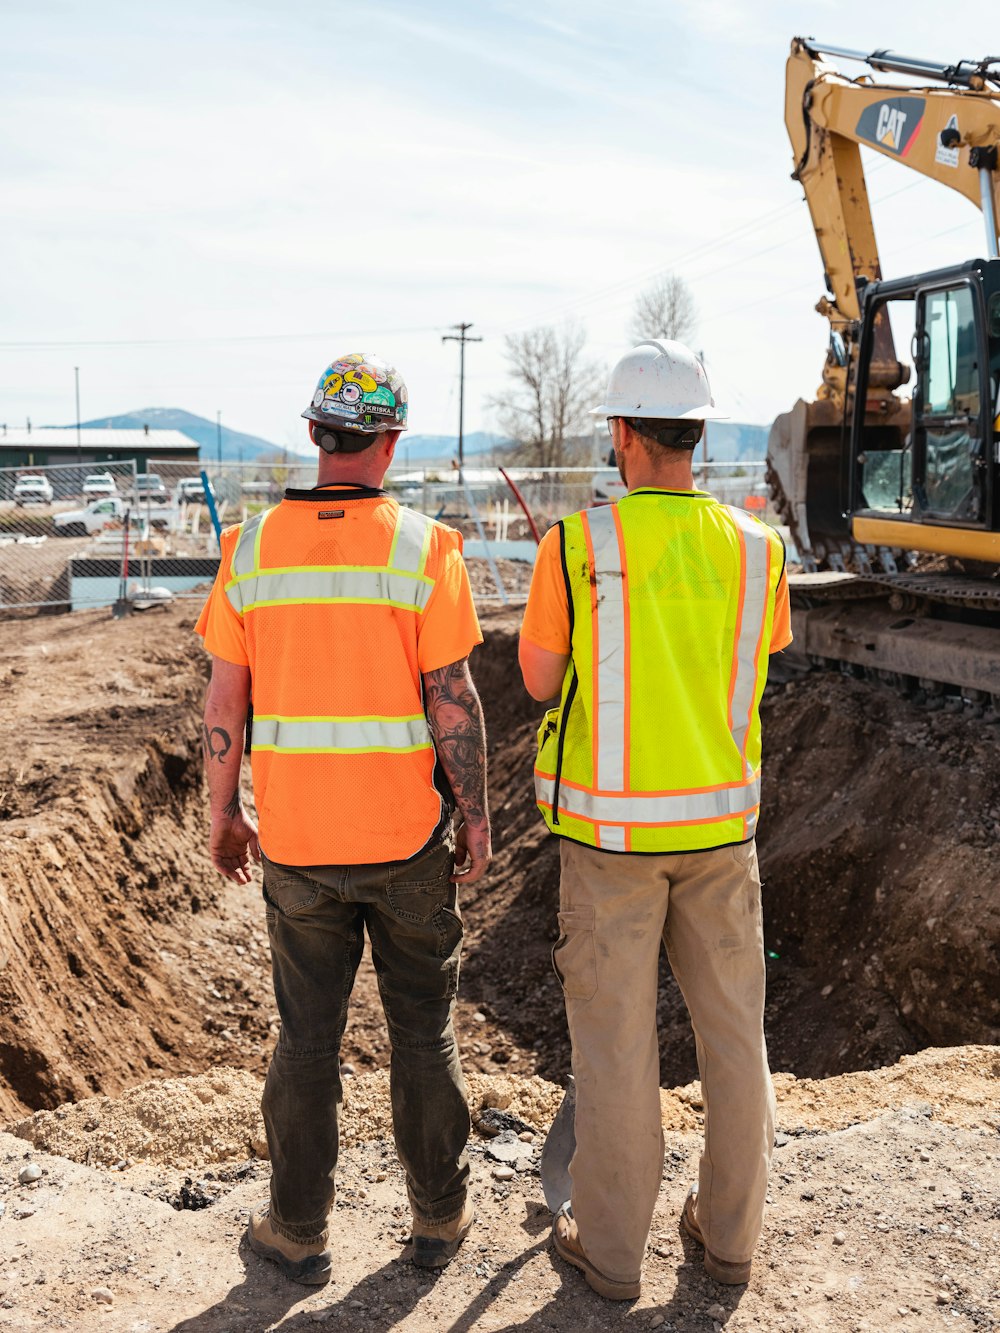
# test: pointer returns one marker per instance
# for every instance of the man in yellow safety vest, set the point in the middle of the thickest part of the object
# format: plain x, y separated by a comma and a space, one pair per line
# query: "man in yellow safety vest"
652, 620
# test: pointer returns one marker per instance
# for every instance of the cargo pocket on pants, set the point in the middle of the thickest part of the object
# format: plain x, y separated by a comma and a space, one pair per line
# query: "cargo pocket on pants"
574, 955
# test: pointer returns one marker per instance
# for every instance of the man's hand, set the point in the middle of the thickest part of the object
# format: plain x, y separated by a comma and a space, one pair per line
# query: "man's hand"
472, 845
232, 844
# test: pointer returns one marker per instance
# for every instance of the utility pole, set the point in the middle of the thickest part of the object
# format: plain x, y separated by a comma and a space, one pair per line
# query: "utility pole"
461, 339
218, 435
76, 376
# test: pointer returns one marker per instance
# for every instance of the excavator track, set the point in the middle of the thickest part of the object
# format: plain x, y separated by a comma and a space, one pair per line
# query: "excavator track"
931, 635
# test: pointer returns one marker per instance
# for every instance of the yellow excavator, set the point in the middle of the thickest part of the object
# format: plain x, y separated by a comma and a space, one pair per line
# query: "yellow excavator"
892, 497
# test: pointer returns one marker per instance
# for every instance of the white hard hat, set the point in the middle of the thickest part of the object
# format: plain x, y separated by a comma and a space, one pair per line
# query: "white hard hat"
664, 380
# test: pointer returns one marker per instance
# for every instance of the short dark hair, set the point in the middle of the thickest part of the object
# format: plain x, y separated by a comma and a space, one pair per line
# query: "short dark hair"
668, 434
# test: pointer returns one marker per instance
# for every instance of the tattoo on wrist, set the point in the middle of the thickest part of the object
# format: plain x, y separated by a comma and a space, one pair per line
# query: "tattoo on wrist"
216, 742
234, 806
455, 717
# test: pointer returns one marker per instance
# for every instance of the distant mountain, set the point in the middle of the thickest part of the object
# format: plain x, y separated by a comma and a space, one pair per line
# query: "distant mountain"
235, 444
435, 448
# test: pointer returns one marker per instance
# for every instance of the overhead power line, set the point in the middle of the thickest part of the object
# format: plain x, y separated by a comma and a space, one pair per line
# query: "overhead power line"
53, 345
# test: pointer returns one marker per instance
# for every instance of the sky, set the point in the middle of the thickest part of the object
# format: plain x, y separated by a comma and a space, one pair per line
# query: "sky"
205, 203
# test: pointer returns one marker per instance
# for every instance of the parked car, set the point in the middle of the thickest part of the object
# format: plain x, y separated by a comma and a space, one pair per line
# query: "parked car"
97, 484
32, 490
190, 490
149, 486
108, 512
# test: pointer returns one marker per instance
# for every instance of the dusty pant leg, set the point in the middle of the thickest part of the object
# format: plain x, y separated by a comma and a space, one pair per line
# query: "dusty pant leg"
316, 944
416, 934
611, 920
715, 943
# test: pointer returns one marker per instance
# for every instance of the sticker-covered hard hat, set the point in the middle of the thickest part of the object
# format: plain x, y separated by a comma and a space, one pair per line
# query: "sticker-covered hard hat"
359, 392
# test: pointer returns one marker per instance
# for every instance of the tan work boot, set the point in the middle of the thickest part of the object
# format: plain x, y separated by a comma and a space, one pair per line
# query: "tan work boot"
310, 1264
435, 1244
566, 1239
734, 1275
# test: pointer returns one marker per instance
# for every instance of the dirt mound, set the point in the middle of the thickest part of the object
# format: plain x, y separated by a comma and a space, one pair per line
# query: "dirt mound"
876, 1219
215, 1117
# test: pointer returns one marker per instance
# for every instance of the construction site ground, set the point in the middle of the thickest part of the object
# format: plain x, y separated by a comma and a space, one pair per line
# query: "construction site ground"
136, 1021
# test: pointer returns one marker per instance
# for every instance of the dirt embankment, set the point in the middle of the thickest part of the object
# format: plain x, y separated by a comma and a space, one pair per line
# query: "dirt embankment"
122, 953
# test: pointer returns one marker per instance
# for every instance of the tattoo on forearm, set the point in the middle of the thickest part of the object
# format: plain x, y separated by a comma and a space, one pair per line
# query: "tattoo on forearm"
216, 742
455, 717
233, 806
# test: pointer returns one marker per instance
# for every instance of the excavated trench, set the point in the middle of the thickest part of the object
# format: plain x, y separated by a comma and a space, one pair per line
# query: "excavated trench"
123, 955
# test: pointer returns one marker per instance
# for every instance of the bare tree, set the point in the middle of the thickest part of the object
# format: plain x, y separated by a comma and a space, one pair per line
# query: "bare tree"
552, 385
665, 309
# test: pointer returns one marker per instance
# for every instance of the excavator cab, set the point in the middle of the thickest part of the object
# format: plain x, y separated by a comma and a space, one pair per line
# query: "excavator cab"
924, 473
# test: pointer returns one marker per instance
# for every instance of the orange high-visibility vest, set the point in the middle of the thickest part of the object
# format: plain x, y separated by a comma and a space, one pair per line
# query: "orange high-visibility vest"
656, 743
330, 589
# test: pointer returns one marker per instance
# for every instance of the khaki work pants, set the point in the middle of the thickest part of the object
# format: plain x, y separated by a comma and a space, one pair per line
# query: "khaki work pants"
615, 909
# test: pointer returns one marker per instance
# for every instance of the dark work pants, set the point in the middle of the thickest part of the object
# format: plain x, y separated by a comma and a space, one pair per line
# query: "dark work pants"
316, 919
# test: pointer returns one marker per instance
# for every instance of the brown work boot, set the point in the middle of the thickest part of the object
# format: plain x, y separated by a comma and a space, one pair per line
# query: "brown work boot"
566, 1239
435, 1244
734, 1275
310, 1264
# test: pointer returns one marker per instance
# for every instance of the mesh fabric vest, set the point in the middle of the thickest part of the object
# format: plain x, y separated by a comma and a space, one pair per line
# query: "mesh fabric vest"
331, 590
656, 743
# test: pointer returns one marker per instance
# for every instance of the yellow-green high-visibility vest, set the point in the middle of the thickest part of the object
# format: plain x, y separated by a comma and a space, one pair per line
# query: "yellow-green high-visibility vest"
656, 745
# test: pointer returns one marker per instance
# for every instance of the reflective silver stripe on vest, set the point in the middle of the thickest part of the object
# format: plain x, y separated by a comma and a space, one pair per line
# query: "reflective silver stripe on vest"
410, 542
246, 556
642, 808
330, 735
609, 663
756, 544
402, 583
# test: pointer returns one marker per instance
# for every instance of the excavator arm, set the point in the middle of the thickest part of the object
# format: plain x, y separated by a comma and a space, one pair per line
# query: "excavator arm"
947, 133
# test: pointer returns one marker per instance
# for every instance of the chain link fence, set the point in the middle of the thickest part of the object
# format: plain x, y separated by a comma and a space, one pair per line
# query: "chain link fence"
74, 536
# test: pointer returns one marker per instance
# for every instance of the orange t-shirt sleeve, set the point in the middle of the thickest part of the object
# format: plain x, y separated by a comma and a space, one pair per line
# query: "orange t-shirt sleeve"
546, 617
219, 625
449, 629
781, 626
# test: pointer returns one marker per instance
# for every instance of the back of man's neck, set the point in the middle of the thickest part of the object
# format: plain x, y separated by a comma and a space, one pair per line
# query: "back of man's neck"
664, 479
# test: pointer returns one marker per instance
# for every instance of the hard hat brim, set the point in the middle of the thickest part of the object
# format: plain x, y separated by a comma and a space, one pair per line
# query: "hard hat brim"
341, 423
692, 414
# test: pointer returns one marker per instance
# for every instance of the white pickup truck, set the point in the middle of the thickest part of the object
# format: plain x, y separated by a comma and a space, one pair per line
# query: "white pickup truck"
108, 512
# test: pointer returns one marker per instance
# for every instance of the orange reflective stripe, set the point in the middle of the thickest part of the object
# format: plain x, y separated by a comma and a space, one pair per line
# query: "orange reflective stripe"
627, 651
643, 808
610, 670
755, 573
735, 668
673, 791
595, 720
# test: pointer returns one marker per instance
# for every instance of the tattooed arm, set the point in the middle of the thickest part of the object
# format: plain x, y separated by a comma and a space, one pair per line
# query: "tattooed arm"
233, 839
456, 722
